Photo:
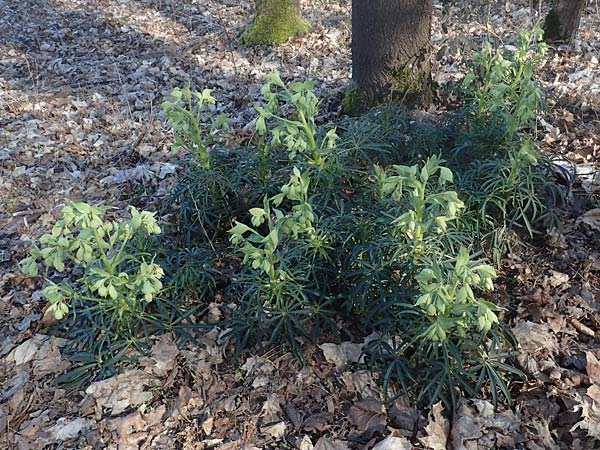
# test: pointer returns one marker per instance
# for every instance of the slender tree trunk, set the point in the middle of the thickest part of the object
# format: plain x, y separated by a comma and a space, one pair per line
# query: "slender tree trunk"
391, 44
275, 21
563, 20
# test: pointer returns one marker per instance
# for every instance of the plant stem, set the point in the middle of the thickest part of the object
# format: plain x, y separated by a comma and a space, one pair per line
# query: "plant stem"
99, 243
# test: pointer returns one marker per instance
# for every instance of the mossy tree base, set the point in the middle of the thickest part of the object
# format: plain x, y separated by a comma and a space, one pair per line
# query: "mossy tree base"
391, 46
354, 102
412, 87
553, 29
562, 22
275, 22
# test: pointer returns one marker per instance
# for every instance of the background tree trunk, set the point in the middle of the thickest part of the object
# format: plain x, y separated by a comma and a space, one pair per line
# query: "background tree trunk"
563, 20
275, 21
391, 43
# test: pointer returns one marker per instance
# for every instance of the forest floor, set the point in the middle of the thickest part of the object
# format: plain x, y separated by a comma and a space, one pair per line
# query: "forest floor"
81, 83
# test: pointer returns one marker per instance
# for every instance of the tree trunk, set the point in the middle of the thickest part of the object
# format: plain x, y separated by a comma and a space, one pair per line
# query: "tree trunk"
391, 45
275, 21
563, 20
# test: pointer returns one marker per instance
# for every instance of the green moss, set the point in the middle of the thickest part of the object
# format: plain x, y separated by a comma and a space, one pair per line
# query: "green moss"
275, 22
553, 28
353, 102
412, 87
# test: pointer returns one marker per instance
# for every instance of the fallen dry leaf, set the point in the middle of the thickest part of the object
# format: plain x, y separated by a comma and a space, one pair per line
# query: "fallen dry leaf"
27, 351
394, 443
590, 417
538, 343
305, 443
436, 431
593, 392
207, 425
331, 444
543, 435
557, 279
164, 353
340, 355
65, 429
535, 338
591, 218
271, 409
233, 445
276, 430
257, 365
43, 352
128, 428
505, 421
404, 415
362, 383
121, 392
369, 416
317, 422
465, 426
592, 367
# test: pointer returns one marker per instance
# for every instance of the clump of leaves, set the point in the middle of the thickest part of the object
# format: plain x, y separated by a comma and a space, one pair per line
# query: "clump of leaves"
448, 300
191, 275
502, 86
428, 212
516, 190
184, 113
105, 303
111, 276
508, 183
209, 189
391, 135
280, 262
381, 238
438, 326
203, 200
299, 135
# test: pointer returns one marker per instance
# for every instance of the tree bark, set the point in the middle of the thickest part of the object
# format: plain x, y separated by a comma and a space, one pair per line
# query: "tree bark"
391, 46
562, 22
275, 21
